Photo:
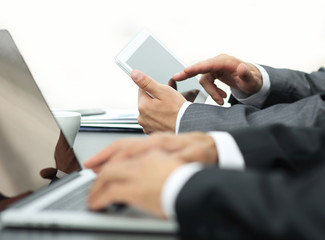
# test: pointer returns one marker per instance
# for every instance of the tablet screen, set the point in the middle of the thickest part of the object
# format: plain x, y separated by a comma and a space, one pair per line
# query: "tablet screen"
155, 61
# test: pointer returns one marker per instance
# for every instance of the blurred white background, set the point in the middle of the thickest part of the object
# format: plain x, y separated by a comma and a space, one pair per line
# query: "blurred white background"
70, 45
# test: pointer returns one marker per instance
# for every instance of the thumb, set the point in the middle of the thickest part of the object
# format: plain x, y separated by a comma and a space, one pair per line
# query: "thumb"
145, 83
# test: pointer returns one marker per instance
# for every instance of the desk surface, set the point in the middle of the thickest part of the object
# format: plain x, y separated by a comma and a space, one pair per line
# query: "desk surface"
23, 234
89, 143
86, 145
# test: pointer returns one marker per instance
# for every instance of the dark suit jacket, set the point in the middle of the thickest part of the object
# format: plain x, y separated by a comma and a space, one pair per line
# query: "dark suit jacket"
281, 195
299, 99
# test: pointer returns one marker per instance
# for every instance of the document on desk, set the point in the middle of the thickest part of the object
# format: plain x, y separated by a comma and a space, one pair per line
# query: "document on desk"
112, 120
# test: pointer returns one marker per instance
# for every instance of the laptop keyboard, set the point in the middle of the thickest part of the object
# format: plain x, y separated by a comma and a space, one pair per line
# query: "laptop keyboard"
75, 200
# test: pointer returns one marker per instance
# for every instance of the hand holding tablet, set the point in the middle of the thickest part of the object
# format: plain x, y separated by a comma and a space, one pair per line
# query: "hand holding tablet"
147, 54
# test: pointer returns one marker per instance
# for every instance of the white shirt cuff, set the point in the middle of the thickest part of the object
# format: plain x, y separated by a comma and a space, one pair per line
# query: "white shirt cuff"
258, 98
173, 185
180, 115
229, 155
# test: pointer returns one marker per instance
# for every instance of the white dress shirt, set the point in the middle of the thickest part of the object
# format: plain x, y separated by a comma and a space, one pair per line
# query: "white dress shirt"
229, 154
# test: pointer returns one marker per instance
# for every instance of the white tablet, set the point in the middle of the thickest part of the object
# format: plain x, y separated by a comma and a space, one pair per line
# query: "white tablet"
147, 54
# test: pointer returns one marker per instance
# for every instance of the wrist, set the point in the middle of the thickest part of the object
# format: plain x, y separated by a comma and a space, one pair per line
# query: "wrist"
259, 97
180, 115
173, 185
259, 79
211, 149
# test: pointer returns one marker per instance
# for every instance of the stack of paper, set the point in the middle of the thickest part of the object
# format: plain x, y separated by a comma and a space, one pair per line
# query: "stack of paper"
112, 120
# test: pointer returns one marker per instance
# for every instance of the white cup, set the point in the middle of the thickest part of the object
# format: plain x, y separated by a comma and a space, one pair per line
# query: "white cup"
69, 123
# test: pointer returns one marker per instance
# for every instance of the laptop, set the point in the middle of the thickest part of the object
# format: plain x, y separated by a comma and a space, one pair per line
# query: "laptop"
33, 155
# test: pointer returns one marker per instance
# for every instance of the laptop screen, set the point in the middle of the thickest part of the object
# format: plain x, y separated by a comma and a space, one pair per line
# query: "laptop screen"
32, 146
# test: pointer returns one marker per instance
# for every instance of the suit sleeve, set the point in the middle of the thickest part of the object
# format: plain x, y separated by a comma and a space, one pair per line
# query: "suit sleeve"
309, 111
291, 149
221, 204
288, 86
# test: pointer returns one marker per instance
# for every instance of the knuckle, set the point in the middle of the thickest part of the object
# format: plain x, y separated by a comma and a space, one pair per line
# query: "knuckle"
117, 143
223, 55
140, 121
142, 108
160, 139
202, 81
165, 138
145, 84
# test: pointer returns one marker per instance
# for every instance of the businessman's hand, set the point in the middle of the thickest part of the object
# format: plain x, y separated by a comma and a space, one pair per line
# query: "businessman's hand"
157, 113
230, 70
187, 147
136, 181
